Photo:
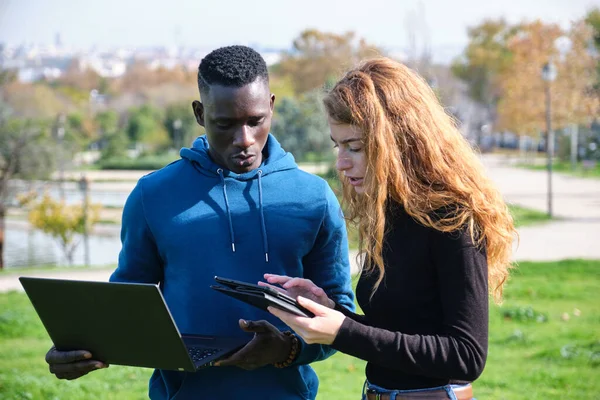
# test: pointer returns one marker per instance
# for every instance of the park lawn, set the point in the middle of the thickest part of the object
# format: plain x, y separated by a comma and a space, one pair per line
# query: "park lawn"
535, 351
526, 216
24, 373
565, 168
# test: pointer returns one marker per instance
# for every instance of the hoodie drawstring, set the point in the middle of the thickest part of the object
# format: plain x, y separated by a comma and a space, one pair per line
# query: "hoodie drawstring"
262, 213
262, 217
220, 172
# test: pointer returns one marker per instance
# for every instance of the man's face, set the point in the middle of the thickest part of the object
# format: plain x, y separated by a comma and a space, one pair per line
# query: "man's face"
237, 123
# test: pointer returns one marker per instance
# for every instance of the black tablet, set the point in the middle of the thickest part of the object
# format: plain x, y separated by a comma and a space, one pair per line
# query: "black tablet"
260, 296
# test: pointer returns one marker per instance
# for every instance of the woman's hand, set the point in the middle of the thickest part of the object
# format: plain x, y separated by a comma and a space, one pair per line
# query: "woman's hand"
322, 328
295, 287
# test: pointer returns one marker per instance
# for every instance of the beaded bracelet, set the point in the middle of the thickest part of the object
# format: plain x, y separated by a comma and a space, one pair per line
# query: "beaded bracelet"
293, 351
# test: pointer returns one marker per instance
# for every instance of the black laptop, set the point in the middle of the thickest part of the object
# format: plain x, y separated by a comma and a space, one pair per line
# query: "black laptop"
122, 324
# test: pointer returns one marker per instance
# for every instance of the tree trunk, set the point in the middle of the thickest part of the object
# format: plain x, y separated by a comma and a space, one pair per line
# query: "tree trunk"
68, 251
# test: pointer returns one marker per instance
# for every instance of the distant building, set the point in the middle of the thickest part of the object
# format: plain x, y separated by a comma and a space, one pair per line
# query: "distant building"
58, 40
35, 62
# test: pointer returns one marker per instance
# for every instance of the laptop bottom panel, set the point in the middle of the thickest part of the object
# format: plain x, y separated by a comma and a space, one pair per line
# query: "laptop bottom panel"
205, 350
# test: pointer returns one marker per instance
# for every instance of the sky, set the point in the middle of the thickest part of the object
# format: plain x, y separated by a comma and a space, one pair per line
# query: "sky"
442, 24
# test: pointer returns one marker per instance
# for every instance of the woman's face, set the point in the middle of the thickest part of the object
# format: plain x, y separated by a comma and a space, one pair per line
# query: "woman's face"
351, 158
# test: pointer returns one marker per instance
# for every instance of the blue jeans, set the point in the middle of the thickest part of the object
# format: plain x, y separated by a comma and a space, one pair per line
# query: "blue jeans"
378, 389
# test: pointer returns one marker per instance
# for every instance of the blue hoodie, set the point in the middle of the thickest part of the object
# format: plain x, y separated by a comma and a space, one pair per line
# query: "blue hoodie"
192, 220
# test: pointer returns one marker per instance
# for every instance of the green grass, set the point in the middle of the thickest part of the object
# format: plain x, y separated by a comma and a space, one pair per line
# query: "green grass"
24, 373
539, 348
565, 168
527, 216
147, 162
555, 359
108, 222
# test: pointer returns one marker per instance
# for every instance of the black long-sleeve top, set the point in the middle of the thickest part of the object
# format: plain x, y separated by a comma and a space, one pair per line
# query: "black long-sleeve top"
427, 323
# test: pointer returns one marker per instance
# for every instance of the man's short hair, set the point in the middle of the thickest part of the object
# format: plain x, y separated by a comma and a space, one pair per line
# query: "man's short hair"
233, 66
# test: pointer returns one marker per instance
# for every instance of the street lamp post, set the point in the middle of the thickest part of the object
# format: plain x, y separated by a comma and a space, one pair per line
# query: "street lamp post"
177, 133
84, 187
549, 75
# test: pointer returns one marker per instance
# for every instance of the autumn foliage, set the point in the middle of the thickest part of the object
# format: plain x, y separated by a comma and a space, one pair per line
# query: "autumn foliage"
522, 105
66, 223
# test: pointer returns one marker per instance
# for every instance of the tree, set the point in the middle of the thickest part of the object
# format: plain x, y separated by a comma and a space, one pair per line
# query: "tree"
61, 221
592, 18
8, 76
141, 75
522, 107
114, 140
37, 101
577, 102
301, 126
282, 86
80, 129
319, 56
165, 94
26, 152
484, 59
145, 128
180, 124
81, 77
115, 145
107, 122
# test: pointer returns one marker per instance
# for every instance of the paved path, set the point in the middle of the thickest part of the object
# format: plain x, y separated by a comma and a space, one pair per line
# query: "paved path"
575, 233
576, 205
10, 281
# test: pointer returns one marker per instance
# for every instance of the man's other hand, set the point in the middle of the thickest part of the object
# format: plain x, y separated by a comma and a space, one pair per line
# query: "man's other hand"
269, 346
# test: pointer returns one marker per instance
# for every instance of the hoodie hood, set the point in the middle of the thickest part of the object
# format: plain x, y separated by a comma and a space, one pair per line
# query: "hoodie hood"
275, 158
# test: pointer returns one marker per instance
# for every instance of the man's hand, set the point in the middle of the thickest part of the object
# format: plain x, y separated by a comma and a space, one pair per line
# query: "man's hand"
269, 346
72, 364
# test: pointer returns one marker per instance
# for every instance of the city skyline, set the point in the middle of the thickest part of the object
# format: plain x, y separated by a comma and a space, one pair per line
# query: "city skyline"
436, 25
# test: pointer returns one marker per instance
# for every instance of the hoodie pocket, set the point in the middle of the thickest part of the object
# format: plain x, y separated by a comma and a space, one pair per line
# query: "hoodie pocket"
303, 379
166, 384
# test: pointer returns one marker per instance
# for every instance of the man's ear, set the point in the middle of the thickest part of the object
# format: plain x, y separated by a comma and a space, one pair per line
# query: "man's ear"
272, 102
198, 109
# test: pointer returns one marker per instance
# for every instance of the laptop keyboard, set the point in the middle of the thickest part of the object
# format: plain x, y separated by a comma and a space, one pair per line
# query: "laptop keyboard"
200, 353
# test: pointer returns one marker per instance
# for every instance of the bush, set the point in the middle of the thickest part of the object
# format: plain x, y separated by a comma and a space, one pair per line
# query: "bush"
524, 314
